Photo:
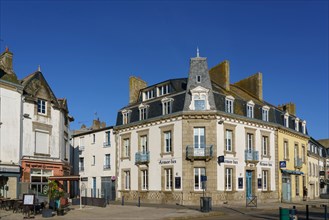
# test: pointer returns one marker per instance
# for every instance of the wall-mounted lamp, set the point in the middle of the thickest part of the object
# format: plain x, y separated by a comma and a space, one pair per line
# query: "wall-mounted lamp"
220, 122
220, 159
26, 115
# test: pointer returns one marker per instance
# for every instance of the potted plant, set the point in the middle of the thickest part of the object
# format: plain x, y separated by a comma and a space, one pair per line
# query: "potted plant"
54, 195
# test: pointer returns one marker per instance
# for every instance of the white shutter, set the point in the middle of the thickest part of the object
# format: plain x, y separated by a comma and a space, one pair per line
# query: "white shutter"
41, 142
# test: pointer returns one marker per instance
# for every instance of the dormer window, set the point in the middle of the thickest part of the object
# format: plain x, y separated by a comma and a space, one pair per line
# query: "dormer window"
42, 106
229, 101
304, 127
143, 112
265, 111
167, 106
250, 109
126, 116
198, 78
297, 124
199, 100
286, 120
163, 90
148, 94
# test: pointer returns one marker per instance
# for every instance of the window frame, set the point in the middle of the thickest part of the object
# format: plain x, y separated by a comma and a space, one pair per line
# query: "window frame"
42, 106
229, 104
197, 182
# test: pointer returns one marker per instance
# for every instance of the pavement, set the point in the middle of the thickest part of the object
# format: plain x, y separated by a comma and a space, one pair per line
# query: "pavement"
162, 211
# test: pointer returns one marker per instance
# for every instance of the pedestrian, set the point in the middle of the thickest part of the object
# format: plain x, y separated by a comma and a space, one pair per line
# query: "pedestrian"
304, 193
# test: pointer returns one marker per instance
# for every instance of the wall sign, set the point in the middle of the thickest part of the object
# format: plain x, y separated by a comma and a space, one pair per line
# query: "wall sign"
259, 183
28, 199
240, 182
167, 161
283, 164
177, 182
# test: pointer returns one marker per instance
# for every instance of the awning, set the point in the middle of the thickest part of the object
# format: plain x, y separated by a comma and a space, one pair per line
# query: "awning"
72, 178
292, 172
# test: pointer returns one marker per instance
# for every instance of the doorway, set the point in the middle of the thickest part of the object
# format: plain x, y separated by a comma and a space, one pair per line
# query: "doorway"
249, 184
286, 188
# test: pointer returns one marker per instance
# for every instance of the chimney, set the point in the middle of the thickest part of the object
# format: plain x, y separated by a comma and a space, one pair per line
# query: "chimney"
103, 124
220, 74
252, 84
96, 124
6, 61
289, 107
135, 85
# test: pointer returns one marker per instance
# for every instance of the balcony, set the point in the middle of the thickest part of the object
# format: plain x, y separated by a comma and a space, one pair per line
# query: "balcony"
251, 156
81, 148
203, 153
106, 144
298, 162
142, 158
106, 167
81, 169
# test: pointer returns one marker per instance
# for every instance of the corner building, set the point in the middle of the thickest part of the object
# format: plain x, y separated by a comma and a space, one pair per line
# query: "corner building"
170, 135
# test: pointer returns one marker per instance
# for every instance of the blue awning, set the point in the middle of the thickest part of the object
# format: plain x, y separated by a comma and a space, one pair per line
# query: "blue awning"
295, 172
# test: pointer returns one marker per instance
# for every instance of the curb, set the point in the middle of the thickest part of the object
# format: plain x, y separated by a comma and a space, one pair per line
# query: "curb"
213, 213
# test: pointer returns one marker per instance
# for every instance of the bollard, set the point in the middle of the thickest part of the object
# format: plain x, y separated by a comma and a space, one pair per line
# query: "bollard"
325, 212
139, 201
307, 217
123, 200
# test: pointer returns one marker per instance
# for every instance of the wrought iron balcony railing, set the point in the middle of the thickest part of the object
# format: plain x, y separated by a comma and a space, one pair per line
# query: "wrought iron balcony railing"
81, 169
107, 167
251, 155
81, 148
142, 157
204, 152
106, 144
298, 162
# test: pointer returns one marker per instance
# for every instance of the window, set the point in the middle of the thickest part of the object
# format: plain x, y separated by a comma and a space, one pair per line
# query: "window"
143, 144
81, 164
199, 138
168, 178
93, 138
200, 102
229, 104
166, 106
126, 145
297, 124
265, 147
39, 181
144, 179
198, 78
42, 104
81, 143
107, 142
250, 109
41, 142
143, 112
93, 162
297, 185
265, 179
198, 172
285, 150
228, 140
149, 94
228, 179
126, 116
127, 180
163, 90
250, 142
286, 120
167, 141
265, 111
107, 161
304, 127
303, 153
296, 151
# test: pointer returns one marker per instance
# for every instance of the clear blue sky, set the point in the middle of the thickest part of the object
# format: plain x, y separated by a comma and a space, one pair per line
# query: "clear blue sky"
88, 49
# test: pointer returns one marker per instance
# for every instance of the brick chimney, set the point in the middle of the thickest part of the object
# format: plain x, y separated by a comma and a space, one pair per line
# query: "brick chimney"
289, 107
220, 74
252, 84
96, 124
135, 85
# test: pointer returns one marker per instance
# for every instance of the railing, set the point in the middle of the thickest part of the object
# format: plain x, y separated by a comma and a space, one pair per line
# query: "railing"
205, 152
107, 167
251, 155
298, 162
251, 201
81, 148
81, 169
142, 157
106, 144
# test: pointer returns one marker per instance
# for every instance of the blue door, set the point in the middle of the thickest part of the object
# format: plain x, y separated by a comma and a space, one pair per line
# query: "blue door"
286, 188
94, 187
249, 184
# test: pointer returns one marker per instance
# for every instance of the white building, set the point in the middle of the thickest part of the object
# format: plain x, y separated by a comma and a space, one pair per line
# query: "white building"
96, 162
170, 135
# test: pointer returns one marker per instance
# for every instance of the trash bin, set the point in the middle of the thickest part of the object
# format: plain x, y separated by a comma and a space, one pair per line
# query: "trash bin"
205, 204
284, 214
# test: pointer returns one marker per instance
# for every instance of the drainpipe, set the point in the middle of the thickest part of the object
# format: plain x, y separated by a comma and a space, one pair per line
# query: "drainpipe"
21, 132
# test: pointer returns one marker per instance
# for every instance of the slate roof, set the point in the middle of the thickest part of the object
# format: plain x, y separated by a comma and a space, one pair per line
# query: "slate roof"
179, 93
